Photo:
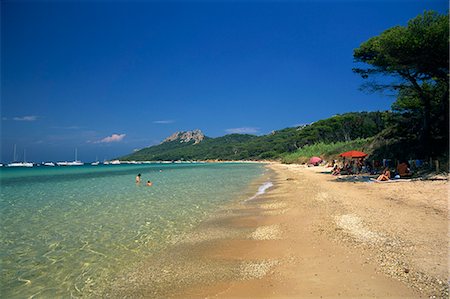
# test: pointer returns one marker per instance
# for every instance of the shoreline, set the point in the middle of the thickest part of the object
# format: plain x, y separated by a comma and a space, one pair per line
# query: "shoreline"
310, 235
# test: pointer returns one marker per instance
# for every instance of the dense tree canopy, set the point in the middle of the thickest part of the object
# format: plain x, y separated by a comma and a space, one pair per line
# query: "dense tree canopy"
417, 56
416, 52
344, 127
415, 59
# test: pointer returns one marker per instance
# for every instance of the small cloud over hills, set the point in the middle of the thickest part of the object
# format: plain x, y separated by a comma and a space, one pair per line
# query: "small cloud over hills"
112, 138
243, 130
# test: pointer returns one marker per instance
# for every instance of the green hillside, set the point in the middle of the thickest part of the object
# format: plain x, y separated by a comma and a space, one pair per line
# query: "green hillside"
411, 61
339, 128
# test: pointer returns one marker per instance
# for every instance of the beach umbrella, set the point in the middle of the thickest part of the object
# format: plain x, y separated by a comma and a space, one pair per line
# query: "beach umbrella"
353, 154
315, 160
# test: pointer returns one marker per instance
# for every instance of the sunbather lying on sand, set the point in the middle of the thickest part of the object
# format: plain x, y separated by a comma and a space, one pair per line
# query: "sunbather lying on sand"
385, 176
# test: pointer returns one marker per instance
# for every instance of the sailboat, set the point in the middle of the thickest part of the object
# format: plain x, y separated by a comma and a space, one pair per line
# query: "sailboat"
19, 164
96, 162
73, 163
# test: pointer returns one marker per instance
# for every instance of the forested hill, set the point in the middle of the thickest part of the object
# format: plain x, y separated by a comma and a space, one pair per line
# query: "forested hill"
411, 60
344, 127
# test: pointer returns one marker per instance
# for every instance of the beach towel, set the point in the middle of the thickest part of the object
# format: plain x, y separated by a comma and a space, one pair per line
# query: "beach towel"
391, 181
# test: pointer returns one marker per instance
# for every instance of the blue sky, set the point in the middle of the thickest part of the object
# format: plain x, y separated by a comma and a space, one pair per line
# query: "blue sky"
108, 77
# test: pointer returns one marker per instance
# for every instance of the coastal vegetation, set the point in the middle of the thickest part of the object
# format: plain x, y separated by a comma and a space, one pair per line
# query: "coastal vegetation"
413, 62
326, 150
410, 62
343, 128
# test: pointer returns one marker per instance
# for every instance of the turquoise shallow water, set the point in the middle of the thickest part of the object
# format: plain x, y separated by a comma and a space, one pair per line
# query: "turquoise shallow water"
68, 231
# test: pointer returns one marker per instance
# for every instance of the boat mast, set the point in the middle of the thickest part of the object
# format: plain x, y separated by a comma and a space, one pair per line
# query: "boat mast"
14, 158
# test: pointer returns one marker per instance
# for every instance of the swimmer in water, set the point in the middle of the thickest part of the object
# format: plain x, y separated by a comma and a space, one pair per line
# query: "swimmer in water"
138, 179
149, 184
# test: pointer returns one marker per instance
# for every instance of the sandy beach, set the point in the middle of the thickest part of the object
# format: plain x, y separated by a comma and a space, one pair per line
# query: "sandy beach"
310, 235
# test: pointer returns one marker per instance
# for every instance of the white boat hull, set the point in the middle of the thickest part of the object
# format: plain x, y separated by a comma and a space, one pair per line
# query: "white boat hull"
73, 163
20, 164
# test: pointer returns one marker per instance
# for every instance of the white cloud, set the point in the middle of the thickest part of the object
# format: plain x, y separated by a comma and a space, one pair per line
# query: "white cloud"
112, 138
243, 130
26, 118
163, 121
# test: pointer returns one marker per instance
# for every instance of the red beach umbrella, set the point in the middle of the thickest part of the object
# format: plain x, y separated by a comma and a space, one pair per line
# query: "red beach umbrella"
315, 160
353, 154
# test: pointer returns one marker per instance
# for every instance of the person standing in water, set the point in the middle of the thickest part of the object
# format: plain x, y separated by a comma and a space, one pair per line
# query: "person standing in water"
138, 179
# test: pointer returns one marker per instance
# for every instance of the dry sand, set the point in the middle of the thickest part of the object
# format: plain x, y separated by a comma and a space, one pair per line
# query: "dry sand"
311, 235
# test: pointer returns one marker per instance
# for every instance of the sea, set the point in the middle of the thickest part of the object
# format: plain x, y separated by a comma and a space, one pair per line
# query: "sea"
67, 232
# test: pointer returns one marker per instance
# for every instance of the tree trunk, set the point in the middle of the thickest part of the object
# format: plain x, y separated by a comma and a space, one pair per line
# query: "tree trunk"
445, 109
425, 137
426, 133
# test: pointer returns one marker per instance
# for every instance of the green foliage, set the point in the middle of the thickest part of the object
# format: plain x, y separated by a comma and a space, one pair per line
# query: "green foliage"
417, 54
418, 51
326, 150
345, 127
226, 147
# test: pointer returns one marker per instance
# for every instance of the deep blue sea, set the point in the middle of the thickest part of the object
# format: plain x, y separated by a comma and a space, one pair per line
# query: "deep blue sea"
68, 231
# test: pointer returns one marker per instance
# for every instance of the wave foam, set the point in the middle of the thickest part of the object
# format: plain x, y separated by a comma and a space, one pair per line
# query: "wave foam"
261, 190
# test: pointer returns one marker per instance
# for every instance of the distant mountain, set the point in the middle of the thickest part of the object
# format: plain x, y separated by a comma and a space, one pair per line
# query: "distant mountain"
191, 145
196, 135
194, 145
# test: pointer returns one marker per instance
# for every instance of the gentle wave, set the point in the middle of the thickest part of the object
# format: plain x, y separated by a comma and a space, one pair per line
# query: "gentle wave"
261, 190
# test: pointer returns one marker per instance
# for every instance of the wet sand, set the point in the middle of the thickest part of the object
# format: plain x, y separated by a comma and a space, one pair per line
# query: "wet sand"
310, 235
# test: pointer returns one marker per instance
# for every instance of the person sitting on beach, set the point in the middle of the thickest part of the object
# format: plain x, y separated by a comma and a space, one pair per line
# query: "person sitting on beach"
138, 179
354, 167
385, 176
403, 169
359, 165
346, 169
336, 170
149, 184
